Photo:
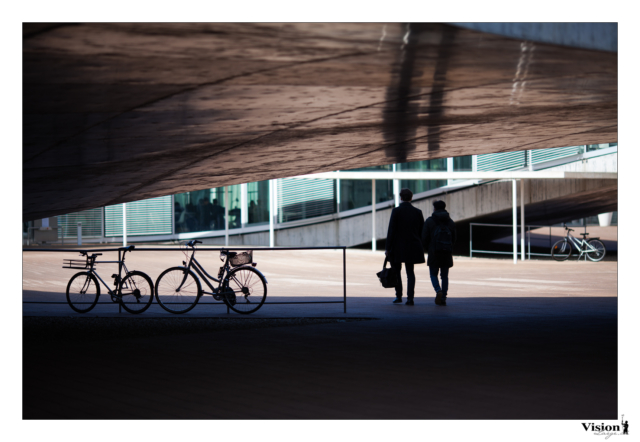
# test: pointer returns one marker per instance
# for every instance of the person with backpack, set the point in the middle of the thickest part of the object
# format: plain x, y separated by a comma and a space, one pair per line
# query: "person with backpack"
438, 238
403, 243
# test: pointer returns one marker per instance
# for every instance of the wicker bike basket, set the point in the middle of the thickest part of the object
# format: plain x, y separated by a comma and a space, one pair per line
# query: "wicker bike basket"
242, 258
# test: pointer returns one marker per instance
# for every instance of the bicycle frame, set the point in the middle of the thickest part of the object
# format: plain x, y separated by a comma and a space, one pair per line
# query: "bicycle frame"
118, 282
580, 244
202, 272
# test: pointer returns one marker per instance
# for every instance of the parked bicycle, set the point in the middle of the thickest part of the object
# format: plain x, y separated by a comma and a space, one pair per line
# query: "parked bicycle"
240, 285
134, 292
592, 248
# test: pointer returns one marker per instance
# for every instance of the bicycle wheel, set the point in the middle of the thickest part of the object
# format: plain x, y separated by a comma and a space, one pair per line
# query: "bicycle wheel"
136, 291
178, 291
83, 292
249, 290
561, 250
598, 253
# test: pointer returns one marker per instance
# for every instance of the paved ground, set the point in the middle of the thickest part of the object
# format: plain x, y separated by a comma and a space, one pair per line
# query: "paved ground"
515, 342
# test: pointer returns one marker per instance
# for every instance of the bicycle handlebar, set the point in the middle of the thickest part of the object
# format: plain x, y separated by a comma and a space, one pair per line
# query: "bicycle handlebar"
193, 242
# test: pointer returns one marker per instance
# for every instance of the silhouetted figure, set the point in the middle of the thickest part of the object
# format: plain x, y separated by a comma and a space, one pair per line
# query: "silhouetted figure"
218, 215
403, 243
206, 214
177, 210
252, 212
626, 427
190, 218
438, 238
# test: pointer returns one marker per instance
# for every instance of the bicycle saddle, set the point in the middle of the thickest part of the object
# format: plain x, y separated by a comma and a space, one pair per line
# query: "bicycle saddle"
584, 234
96, 254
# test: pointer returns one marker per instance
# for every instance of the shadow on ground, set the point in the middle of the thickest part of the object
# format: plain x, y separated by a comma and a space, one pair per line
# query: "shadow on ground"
532, 358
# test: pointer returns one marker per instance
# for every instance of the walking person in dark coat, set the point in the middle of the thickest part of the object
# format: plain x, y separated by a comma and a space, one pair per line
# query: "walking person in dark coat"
438, 238
403, 243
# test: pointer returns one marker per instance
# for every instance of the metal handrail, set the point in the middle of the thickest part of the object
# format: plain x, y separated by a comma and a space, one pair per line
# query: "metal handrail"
173, 249
528, 235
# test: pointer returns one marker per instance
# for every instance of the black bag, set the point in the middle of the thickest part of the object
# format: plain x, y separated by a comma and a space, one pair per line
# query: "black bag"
387, 276
443, 238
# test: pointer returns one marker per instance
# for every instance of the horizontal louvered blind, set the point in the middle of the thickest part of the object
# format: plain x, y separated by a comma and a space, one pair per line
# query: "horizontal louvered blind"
305, 198
147, 217
91, 224
542, 155
495, 162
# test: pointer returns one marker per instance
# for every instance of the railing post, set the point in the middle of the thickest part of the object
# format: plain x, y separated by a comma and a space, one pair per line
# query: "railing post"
470, 240
344, 277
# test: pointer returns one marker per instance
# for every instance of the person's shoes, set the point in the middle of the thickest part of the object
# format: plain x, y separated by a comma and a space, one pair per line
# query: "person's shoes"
439, 298
443, 301
397, 301
409, 302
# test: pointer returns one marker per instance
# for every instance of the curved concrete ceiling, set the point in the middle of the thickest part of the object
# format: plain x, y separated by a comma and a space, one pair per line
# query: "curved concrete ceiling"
123, 112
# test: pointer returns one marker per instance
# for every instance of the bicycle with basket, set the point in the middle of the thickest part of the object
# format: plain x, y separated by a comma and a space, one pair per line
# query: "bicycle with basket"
134, 291
241, 286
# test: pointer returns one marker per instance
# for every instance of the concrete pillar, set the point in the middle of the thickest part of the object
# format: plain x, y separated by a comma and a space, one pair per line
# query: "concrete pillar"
373, 215
515, 222
604, 219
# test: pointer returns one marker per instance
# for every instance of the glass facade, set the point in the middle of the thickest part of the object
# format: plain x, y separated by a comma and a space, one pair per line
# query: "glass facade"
357, 193
418, 186
296, 198
258, 202
463, 164
203, 210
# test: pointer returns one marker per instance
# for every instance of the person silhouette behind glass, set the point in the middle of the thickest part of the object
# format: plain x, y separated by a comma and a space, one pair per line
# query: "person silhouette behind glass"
626, 427
218, 215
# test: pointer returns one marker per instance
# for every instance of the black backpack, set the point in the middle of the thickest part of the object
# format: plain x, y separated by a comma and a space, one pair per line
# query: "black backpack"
443, 237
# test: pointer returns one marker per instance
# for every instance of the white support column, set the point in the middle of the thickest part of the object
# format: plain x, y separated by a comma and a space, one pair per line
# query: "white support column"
373, 215
272, 214
396, 189
173, 214
124, 224
515, 222
80, 234
449, 169
226, 216
244, 208
522, 219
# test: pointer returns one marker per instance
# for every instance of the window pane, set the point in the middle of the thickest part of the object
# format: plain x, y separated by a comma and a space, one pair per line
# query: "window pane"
258, 200
462, 164
357, 193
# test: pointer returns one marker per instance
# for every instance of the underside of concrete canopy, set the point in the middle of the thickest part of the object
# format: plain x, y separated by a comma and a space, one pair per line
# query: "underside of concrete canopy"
123, 112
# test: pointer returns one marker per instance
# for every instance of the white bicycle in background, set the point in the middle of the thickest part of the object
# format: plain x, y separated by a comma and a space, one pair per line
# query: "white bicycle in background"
592, 248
